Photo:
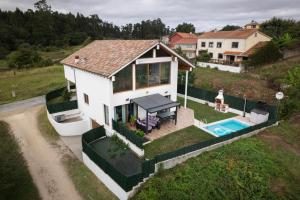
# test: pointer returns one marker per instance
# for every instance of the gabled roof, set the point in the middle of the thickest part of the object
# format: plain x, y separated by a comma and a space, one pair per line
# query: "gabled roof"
184, 35
237, 34
253, 48
107, 57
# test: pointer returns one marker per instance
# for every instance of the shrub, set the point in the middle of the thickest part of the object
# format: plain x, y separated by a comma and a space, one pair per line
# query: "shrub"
203, 57
25, 57
66, 95
139, 133
264, 55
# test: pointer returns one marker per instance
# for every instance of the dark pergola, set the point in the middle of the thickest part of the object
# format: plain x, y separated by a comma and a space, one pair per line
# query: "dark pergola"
154, 103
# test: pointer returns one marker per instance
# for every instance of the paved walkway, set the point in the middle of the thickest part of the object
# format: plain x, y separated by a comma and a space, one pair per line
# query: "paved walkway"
44, 159
185, 118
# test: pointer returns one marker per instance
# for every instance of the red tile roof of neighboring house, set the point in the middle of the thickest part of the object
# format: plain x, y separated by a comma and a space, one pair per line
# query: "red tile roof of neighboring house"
107, 57
253, 48
183, 38
237, 34
185, 35
232, 52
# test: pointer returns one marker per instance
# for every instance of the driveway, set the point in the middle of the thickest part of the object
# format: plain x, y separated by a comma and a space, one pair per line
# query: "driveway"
44, 159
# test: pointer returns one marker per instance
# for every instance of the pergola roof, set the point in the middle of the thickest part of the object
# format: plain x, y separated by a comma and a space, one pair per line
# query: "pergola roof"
155, 102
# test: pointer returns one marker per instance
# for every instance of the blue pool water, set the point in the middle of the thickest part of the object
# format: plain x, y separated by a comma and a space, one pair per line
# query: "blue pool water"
226, 127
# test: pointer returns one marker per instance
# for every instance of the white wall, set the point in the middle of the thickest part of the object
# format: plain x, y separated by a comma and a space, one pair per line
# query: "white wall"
220, 67
226, 46
69, 73
252, 40
69, 128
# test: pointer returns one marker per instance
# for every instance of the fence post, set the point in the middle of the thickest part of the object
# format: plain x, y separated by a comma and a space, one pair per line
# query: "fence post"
186, 84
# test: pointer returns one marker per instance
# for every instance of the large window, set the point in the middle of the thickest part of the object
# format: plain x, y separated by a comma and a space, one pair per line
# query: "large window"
211, 44
123, 80
152, 74
235, 45
219, 44
202, 44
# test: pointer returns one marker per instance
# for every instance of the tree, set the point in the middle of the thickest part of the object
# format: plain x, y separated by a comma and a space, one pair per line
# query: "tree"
230, 28
203, 57
42, 5
186, 28
265, 55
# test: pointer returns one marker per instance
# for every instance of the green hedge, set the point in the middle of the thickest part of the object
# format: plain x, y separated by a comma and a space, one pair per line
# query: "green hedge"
128, 134
233, 102
126, 182
59, 107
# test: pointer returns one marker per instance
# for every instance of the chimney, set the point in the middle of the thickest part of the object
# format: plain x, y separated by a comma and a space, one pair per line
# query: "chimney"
76, 59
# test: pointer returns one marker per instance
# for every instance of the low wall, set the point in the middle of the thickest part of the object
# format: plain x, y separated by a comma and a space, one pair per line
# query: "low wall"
221, 67
69, 128
167, 164
105, 178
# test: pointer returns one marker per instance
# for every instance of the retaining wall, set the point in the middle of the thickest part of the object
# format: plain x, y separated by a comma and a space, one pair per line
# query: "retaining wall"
221, 67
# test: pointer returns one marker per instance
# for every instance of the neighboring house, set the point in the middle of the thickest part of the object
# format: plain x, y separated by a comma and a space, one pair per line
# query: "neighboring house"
252, 24
165, 39
186, 41
231, 46
109, 74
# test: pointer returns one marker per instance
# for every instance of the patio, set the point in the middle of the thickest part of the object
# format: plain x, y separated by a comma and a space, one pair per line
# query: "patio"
185, 118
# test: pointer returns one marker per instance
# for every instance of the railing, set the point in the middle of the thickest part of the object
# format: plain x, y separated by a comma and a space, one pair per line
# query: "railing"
128, 134
126, 182
59, 107
232, 101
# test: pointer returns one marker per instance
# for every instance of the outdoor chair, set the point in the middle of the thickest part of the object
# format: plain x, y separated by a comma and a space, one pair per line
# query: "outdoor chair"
142, 126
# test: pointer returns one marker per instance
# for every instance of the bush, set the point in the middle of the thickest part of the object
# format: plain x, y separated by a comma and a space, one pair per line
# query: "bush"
66, 95
25, 57
203, 57
139, 133
264, 55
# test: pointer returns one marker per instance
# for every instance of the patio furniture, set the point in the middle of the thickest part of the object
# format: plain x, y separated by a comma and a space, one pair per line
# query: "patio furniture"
142, 126
153, 104
166, 115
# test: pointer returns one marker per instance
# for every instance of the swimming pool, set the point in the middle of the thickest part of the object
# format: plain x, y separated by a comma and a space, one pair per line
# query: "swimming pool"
225, 127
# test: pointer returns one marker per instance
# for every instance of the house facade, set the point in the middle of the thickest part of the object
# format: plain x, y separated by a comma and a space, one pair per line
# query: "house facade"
108, 74
187, 42
231, 46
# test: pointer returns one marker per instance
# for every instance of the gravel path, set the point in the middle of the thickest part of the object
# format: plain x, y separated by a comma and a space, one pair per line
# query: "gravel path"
44, 160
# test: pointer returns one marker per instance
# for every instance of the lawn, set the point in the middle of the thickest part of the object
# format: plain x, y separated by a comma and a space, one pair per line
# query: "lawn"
262, 167
30, 83
184, 137
205, 112
86, 183
16, 181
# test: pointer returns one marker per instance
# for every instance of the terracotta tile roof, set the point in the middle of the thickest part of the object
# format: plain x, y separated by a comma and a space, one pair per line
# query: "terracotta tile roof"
186, 35
253, 48
232, 52
238, 34
105, 57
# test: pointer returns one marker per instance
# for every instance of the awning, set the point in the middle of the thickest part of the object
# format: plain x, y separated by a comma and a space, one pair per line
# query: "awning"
154, 103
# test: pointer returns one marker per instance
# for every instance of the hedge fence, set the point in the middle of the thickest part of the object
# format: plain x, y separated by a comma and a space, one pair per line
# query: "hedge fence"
59, 107
128, 134
233, 102
126, 182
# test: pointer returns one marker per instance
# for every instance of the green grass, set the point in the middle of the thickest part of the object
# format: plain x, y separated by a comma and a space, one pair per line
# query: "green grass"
45, 127
16, 181
184, 137
205, 112
30, 83
252, 168
86, 183
233, 84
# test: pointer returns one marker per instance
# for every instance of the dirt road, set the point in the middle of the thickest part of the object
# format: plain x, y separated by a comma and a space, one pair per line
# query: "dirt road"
44, 159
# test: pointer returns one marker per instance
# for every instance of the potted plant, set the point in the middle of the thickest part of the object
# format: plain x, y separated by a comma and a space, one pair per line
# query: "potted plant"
132, 120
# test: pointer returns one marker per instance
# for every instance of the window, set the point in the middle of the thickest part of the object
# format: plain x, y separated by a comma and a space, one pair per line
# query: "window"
211, 44
219, 45
211, 54
152, 74
203, 44
123, 80
106, 115
86, 98
234, 45
220, 56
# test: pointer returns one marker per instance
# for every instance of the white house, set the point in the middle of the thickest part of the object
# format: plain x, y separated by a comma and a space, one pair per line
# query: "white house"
109, 74
231, 46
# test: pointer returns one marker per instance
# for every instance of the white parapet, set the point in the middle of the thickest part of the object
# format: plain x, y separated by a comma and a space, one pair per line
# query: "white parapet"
72, 128
220, 67
106, 179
